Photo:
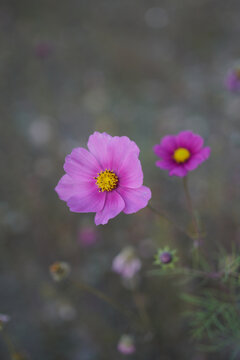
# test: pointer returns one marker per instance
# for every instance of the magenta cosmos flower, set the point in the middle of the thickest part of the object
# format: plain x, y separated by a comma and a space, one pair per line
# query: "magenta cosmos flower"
106, 180
181, 153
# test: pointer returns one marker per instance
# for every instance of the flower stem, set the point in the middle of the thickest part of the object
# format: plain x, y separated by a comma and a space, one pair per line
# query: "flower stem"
190, 208
164, 216
100, 295
143, 314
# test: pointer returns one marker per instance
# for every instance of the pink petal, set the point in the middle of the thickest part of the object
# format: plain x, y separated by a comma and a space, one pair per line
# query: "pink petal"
119, 149
67, 187
98, 144
169, 143
114, 204
165, 164
111, 151
130, 172
189, 140
88, 200
118, 263
131, 268
198, 158
126, 349
162, 152
81, 165
178, 171
135, 199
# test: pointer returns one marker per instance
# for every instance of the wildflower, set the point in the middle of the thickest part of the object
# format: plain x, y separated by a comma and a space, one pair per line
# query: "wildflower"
233, 79
166, 258
4, 319
126, 263
59, 270
87, 236
106, 180
126, 345
181, 153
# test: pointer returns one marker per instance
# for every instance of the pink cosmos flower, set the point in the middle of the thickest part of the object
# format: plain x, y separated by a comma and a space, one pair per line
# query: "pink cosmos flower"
106, 180
126, 345
181, 153
233, 80
126, 263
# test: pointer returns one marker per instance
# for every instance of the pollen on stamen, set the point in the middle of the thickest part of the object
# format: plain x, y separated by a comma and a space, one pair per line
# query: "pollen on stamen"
181, 155
106, 180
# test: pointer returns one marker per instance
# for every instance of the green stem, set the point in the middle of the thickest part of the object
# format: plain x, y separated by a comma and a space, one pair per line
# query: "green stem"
190, 207
140, 305
164, 216
100, 295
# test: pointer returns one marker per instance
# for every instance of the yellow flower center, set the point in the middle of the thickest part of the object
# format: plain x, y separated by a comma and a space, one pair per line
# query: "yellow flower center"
181, 155
107, 180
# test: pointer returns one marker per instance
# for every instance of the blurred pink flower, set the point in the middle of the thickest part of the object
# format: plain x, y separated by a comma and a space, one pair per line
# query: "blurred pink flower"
181, 153
126, 345
87, 236
106, 180
126, 263
233, 80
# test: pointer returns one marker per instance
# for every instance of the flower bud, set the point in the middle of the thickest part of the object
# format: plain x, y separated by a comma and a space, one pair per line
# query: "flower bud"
166, 257
59, 270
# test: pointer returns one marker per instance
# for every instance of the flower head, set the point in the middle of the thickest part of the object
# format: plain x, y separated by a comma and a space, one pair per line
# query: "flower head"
181, 153
233, 79
126, 345
126, 263
166, 258
106, 180
59, 270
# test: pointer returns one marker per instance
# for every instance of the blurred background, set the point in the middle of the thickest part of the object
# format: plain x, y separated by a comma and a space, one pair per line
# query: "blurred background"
138, 68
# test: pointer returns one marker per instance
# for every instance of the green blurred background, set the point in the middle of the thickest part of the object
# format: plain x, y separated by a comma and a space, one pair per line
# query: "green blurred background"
131, 67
